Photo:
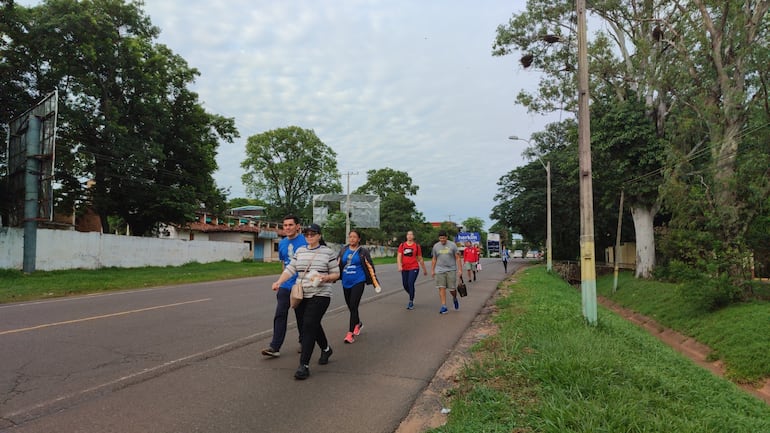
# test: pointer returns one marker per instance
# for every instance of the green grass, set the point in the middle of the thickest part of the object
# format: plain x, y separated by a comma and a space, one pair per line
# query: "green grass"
15, 286
548, 371
738, 334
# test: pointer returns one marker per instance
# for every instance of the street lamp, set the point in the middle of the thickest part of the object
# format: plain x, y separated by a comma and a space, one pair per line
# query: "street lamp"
548, 248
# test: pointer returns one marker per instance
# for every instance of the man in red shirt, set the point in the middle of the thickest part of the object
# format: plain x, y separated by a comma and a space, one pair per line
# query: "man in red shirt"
470, 259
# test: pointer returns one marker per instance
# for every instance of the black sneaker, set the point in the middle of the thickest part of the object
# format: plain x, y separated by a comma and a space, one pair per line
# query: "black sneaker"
270, 352
325, 354
302, 372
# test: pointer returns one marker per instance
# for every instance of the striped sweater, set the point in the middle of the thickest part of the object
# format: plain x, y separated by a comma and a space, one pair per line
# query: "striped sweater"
324, 261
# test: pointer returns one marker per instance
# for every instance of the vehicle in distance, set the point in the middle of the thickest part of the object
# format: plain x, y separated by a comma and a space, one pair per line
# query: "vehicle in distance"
533, 254
517, 254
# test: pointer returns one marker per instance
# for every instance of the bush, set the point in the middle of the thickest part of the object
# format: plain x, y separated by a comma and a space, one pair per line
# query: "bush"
710, 293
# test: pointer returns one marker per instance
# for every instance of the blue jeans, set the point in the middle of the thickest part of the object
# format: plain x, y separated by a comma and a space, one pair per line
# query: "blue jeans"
281, 318
310, 312
408, 279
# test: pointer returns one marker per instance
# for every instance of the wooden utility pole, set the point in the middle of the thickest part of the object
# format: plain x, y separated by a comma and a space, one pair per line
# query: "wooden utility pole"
587, 245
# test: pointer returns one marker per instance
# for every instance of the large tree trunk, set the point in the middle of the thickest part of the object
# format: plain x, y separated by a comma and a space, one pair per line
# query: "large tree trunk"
645, 239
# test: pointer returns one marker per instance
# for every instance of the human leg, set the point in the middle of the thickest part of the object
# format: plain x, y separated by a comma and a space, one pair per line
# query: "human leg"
312, 311
452, 284
356, 292
411, 280
280, 320
405, 281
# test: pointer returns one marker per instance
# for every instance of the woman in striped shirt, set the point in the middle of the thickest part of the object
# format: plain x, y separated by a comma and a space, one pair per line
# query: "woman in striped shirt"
316, 268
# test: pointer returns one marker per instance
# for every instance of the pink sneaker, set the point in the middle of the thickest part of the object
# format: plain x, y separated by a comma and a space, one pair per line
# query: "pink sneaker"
357, 329
349, 338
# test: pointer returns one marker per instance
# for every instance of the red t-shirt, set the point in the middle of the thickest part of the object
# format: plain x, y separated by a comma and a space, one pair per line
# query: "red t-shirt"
409, 256
471, 255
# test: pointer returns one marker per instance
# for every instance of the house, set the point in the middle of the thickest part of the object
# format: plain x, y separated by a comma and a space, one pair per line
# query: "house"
241, 224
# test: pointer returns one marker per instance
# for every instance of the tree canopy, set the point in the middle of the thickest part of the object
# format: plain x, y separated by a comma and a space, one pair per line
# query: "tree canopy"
127, 118
285, 167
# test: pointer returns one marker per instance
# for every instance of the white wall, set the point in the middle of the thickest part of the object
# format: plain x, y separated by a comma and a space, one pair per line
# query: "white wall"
66, 249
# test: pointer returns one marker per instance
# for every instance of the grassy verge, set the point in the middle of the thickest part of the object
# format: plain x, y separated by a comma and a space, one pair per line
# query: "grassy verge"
547, 371
738, 334
15, 286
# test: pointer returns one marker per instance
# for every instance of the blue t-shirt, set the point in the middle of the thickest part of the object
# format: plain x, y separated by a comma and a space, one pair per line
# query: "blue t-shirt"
286, 249
352, 269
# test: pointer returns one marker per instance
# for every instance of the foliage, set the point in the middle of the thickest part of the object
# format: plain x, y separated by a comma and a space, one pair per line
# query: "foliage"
286, 167
685, 82
243, 201
473, 224
398, 213
334, 228
127, 119
521, 198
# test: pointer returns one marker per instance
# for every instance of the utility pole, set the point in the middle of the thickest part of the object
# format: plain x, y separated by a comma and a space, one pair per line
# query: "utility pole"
347, 204
548, 248
587, 246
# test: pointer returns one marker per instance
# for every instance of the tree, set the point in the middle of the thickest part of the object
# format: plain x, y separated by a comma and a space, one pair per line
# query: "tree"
521, 198
286, 167
694, 64
473, 224
628, 153
398, 213
723, 47
623, 61
127, 120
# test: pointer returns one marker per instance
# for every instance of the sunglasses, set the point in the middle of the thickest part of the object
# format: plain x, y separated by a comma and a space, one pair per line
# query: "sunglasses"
310, 233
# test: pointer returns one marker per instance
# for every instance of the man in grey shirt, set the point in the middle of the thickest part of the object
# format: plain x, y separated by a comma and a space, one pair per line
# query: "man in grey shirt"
445, 267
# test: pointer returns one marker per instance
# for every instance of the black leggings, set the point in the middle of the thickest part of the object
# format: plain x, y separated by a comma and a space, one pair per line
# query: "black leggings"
353, 299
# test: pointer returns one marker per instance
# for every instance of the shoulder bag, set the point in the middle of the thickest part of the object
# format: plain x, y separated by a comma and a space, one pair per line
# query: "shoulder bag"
297, 292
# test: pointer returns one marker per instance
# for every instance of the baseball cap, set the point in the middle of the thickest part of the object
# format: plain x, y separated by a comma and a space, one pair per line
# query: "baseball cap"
312, 227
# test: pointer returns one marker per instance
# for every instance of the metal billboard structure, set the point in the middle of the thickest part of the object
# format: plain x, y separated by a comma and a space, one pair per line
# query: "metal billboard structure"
31, 152
364, 209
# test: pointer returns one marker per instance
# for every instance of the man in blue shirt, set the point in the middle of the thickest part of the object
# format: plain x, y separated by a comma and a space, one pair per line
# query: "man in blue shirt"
286, 248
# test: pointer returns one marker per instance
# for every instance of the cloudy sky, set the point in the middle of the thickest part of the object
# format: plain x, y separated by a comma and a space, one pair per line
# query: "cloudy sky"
405, 84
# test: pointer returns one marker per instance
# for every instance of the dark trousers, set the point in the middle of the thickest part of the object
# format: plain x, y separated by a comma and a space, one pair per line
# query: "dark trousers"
408, 279
353, 299
281, 318
310, 312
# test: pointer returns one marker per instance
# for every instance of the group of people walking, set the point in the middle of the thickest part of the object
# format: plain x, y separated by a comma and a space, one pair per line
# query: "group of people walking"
306, 260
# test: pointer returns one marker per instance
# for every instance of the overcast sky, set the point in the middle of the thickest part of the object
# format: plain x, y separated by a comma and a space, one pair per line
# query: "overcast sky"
405, 84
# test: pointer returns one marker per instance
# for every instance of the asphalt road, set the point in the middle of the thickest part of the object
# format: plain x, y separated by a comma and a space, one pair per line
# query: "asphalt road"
186, 359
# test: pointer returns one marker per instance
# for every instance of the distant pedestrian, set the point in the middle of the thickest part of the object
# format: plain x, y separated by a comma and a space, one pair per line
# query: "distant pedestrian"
505, 256
354, 272
409, 260
470, 260
286, 249
318, 265
445, 268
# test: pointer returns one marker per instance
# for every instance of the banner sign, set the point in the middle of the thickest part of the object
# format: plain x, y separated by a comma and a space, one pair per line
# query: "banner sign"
493, 243
473, 237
